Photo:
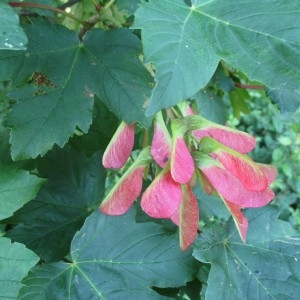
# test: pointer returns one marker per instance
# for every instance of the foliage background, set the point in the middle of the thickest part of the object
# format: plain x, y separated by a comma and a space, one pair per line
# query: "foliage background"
54, 242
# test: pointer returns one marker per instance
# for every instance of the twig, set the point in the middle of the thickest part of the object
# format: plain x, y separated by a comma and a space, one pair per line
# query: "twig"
249, 86
51, 8
95, 19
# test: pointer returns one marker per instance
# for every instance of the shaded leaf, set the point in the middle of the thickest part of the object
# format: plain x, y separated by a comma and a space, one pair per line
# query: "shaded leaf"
114, 258
5, 157
15, 262
211, 206
127, 6
42, 12
57, 78
267, 267
287, 100
238, 98
12, 36
104, 125
17, 187
211, 106
75, 186
186, 42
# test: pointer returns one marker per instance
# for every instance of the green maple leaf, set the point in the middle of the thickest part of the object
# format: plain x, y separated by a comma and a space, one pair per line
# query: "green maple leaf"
73, 190
15, 262
57, 78
114, 258
12, 36
287, 100
266, 267
17, 187
185, 40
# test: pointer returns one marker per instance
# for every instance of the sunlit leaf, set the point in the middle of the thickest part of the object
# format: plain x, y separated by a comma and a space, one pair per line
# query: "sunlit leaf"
186, 40
12, 36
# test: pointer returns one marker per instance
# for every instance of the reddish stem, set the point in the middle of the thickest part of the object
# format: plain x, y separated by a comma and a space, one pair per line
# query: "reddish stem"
249, 86
51, 8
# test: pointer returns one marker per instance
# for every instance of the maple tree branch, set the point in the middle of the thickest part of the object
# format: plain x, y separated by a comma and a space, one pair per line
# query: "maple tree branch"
51, 8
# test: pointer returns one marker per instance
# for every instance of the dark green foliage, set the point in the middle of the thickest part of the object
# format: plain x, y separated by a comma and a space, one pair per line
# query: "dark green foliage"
64, 89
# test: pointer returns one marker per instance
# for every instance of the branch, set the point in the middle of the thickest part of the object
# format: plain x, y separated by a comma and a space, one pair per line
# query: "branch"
51, 8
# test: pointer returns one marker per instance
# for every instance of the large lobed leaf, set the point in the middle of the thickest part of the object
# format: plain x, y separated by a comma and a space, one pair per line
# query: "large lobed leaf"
57, 78
74, 188
17, 187
186, 39
114, 258
266, 267
15, 263
12, 36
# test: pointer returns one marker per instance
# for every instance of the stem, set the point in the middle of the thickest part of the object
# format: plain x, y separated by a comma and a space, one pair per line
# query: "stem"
249, 86
51, 8
95, 19
151, 171
145, 138
108, 5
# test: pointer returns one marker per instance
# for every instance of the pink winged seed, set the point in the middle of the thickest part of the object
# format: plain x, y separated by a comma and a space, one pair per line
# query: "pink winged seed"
182, 163
162, 197
120, 147
237, 140
189, 218
239, 219
175, 216
245, 169
161, 144
233, 190
121, 199
269, 171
